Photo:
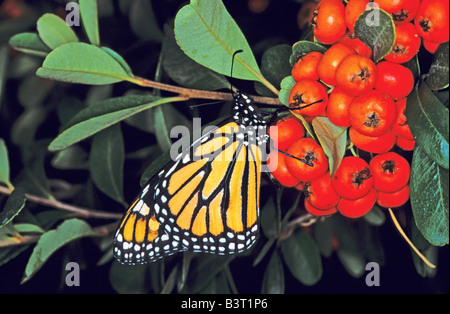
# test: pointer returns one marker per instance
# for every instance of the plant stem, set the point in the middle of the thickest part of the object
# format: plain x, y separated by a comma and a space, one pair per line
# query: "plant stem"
79, 211
196, 93
399, 228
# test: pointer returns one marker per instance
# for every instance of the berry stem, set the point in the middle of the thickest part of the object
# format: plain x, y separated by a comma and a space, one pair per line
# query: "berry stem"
399, 228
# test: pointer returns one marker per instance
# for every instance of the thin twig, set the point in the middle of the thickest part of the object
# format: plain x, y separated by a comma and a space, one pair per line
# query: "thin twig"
199, 94
299, 221
99, 231
402, 233
79, 211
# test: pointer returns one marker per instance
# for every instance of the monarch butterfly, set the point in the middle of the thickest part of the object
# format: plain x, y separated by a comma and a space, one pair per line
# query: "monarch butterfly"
205, 200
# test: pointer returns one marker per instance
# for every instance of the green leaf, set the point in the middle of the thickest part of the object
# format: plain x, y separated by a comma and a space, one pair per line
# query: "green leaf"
89, 17
286, 86
82, 63
106, 162
429, 192
375, 216
54, 31
15, 203
428, 250
4, 163
275, 67
428, 120
29, 43
143, 21
438, 77
414, 66
273, 280
323, 234
102, 115
302, 257
129, 280
302, 48
34, 178
203, 269
52, 240
73, 157
376, 29
207, 33
333, 140
119, 59
161, 130
185, 71
270, 219
353, 262
171, 281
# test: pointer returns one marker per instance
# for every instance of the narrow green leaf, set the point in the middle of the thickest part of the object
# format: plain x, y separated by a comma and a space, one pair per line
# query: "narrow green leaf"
82, 63
429, 194
54, 31
273, 280
4, 163
129, 280
302, 257
171, 281
376, 29
29, 43
302, 48
438, 77
89, 18
428, 120
28, 228
185, 71
207, 33
161, 130
102, 115
263, 251
15, 203
106, 162
52, 240
333, 140
119, 59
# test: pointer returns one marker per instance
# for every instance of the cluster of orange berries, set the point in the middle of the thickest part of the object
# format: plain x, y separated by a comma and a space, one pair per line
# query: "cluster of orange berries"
347, 86
300, 162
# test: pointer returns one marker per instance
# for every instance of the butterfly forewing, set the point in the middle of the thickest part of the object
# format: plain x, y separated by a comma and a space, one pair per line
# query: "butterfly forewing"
205, 200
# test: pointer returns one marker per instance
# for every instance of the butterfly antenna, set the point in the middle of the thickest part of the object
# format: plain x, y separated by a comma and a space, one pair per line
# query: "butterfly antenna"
232, 64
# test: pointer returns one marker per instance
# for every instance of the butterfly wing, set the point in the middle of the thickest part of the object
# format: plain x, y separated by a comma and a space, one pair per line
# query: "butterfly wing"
205, 200
210, 197
140, 238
